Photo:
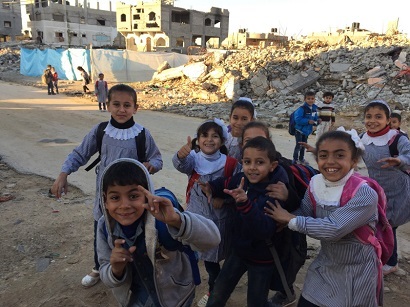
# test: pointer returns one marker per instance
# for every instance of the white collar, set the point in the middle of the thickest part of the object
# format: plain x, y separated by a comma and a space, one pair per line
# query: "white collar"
328, 192
379, 140
208, 164
123, 134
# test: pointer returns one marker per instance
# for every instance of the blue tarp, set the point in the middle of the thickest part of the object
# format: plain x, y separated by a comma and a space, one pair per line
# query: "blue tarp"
65, 61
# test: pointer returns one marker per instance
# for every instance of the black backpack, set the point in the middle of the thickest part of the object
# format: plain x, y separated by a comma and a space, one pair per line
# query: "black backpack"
139, 140
292, 123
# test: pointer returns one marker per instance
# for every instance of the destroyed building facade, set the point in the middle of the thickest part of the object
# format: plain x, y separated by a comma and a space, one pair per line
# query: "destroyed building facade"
71, 23
160, 26
243, 39
10, 21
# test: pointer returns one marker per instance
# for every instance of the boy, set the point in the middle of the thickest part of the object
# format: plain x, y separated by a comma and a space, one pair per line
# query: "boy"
395, 123
141, 237
250, 252
101, 91
118, 141
326, 113
55, 78
305, 118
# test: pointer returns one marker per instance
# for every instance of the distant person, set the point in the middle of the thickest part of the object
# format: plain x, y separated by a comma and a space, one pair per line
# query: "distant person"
118, 140
55, 79
326, 113
305, 118
141, 240
101, 91
47, 78
86, 78
395, 123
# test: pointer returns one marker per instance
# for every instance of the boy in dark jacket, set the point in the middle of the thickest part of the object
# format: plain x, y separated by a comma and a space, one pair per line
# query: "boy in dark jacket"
250, 252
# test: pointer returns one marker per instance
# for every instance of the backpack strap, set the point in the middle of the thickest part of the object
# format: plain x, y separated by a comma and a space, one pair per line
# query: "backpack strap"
393, 142
194, 177
99, 136
230, 166
140, 140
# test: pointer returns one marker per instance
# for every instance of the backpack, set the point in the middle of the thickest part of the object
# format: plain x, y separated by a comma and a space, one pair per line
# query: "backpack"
139, 140
174, 244
229, 168
382, 239
292, 122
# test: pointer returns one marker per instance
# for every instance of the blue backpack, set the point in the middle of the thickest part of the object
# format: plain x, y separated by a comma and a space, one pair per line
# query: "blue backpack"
292, 122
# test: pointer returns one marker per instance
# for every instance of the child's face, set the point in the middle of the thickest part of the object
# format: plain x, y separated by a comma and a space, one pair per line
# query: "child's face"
375, 119
310, 100
394, 123
122, 107
239, 118
101, 77
252, 133
124, 203
334, 159
327, 99
256, 165
209, 142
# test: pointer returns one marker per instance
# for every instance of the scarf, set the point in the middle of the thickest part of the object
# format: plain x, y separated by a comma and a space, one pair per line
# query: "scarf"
379, 133
208, 164
125, 131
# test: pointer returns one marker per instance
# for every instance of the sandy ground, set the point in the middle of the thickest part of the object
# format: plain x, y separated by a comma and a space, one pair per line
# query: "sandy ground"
46, 246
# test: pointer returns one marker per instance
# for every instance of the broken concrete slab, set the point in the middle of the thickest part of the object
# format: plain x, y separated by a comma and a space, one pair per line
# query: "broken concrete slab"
300, 82
169, 74
195, 70
339, 67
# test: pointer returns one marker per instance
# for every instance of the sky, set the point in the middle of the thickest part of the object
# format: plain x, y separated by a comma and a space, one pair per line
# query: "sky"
302, 17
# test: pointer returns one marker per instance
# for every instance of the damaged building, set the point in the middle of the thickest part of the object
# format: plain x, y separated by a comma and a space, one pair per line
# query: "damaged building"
243, 39
160, 26
71, 23
10, 21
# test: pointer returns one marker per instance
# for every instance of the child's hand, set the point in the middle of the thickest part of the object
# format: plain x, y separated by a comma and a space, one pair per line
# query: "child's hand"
389, 162
309, 148
185, 150
60, 185
278, 191
150, 168
311, 122
238, 194
277, 213
206, 188
120, 257
161, 208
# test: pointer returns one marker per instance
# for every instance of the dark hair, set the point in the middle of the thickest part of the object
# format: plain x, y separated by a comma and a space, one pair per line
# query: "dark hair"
124, 173
263, 144
244, 104
376, 104
259, 125
328, 94
122, 88
80, 68
309, 93
341, 136
204, 128
396, 115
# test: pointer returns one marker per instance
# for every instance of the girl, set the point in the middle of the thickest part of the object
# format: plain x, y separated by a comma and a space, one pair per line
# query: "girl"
242, 112
86, 78
208, 163
345, 270
101, 91
387, 170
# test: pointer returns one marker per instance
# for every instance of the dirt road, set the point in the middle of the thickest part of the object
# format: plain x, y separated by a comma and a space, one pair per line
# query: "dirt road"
46, 245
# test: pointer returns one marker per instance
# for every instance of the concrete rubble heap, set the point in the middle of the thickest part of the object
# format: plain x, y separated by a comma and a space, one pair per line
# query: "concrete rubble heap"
277, 78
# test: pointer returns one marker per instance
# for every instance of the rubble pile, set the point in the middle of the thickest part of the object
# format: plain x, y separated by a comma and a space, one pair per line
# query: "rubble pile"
277, 78
9, 59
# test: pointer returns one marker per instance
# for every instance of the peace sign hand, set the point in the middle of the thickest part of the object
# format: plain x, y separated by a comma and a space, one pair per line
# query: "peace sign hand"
238, 194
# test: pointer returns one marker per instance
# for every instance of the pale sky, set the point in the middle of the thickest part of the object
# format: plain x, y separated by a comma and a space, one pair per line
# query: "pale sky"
301, 17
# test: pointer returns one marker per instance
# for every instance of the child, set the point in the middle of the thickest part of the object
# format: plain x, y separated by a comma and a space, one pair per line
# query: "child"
305, 118
208, 163
55, 78
345, 270
117, 142
326, 113
242, 112
101, 91
395, 123
86, 78
140, 240
387, 170
252, 227
47, 78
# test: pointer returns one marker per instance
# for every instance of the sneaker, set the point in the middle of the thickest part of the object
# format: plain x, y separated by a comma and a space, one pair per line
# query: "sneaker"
281, 300
387, 269
91, 279
203, 301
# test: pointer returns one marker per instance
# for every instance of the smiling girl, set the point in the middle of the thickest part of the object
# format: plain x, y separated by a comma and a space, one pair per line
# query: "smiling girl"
206, 163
